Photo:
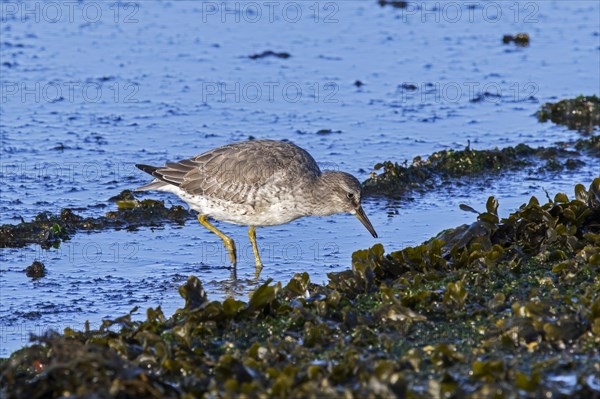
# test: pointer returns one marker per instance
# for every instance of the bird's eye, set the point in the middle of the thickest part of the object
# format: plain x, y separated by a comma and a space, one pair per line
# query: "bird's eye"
350, 195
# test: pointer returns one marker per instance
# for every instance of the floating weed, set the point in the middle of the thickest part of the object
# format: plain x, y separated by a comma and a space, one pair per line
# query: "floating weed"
503, 307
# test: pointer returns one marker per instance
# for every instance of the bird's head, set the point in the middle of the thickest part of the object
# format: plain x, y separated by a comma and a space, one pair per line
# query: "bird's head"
342, 194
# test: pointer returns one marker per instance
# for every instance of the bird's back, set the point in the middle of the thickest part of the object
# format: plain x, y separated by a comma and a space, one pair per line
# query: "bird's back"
237, 172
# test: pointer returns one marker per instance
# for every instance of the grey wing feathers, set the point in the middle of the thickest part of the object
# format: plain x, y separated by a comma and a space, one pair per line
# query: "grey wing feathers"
153, 185
233, 172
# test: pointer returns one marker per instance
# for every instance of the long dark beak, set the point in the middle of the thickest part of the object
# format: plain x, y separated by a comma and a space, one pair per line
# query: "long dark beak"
361, 215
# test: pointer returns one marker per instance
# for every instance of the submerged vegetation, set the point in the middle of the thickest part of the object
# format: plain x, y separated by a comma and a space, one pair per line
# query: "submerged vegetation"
581, 113
453, 166
504, 307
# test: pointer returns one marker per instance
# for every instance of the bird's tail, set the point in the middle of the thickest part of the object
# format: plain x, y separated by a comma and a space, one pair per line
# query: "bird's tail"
155, 184
146, 168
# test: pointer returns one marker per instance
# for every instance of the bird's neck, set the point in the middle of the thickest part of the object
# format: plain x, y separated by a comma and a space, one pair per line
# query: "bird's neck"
318, 201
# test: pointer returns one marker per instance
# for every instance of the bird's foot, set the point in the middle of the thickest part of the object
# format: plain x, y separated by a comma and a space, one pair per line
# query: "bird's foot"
259, 267
230, 245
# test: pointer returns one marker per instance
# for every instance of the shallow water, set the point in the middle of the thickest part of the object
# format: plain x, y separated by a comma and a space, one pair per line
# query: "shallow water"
83, 100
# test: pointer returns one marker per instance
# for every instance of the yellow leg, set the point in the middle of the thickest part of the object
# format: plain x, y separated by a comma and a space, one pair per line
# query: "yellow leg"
252, 235
229, 244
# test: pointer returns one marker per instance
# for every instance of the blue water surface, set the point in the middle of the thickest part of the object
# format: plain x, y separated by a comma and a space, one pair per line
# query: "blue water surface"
89, 89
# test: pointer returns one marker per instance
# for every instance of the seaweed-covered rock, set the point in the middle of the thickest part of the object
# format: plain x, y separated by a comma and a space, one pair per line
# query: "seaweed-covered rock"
49, 230
591, 145
393, 3
270, 53
125, 195
454, 166
581, 113
503, 307
35, 270
520, 39
74, 368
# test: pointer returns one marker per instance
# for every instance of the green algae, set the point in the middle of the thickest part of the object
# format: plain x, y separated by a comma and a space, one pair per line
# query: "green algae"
452, 167
581, 113
49, 230
503, 307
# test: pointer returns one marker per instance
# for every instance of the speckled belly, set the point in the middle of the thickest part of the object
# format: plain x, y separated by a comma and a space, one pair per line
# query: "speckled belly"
278, 212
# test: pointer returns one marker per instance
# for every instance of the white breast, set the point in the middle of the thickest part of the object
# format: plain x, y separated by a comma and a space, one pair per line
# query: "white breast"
281, 211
